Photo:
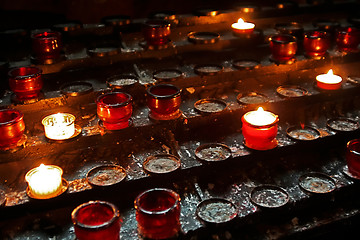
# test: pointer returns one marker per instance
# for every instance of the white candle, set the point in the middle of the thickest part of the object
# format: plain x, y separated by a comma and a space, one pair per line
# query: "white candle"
329, 81
260, 117
59, 126
242, 25
44, 181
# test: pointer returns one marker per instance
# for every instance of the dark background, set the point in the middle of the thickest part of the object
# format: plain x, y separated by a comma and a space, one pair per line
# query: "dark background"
21, 13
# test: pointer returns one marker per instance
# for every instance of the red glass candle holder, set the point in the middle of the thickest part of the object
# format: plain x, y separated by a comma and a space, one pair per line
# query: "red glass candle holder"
283, 47
164, 101
316, 43
260, 137
158, 213
156, 32
96, 220
347, 39
26, 82
12, 127
114, 109
353, 157
46, 45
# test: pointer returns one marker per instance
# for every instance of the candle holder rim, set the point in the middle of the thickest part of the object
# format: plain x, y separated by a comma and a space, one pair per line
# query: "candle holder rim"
177, 71
290, 39
216, 199
68, 92
318, 174
261, 126
346, 171
116, 20
19, 117
269, 186
298, 127
283, 25
53, 34
174, 95
128, 100
71, 116
352, 142
322, 34
110, 80
223, 103
105, 166
209, 145
156, 23
328, 123
116, 214
169, 191
27, 76
348, 30
167, 155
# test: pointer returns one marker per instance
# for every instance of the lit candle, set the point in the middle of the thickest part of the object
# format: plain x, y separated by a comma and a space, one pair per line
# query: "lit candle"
59, 126
329, 81
242, 27
44, 181
260, 129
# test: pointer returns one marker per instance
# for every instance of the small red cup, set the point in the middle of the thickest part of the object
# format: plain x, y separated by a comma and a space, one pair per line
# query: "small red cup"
260, 137
283, 47
12, 127
156, 32
164, 101
46, 45
96, 220
158, 213
26, 82
347, 38
316, 43
353, 157
114, 109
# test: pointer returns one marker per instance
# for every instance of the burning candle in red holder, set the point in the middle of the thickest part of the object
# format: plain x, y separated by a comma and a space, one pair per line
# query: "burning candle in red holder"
353, 157
96, 220
164, 101
46, 45
348, 39
316, 43
329, 81
156, 32
260, 129
158, 213
242, 27
26, 82
283, 47
114, 110
12, 127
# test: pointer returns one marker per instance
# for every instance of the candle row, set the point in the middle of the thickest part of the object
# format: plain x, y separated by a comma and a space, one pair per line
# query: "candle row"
158, 209
47, 45
115, 110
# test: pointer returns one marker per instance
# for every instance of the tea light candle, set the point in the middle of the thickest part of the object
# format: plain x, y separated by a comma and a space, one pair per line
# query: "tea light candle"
329, 81
59, 126
242, 27
260, 129
44, 181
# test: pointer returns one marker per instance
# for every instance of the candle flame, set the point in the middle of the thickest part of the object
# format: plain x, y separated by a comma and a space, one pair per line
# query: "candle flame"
260, 109
330, 72
42, 167
241, 21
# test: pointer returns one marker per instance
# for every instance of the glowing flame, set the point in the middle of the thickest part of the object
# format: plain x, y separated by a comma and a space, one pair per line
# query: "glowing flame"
260, 117
330, 72
240, 21
242, 25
